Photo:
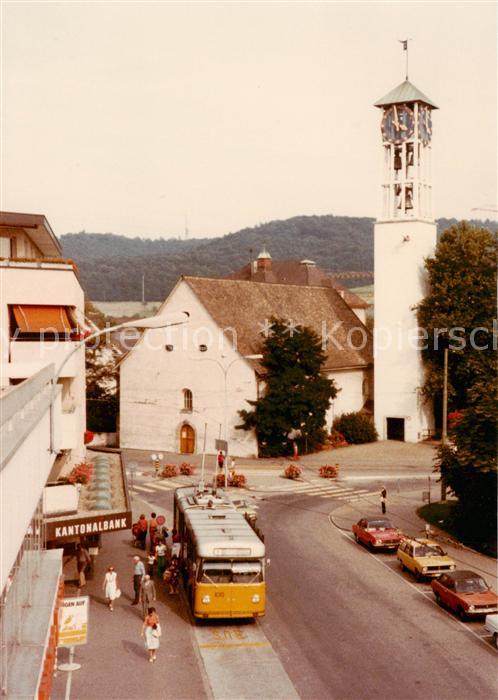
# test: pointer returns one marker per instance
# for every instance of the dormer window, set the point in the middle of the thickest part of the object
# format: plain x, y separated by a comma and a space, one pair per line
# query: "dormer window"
188, 400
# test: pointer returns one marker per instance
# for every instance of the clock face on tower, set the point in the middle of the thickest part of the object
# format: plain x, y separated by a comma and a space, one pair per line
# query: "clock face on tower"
397, 123
424, 124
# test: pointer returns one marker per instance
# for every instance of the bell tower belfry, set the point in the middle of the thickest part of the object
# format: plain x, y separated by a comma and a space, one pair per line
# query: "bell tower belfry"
404, 235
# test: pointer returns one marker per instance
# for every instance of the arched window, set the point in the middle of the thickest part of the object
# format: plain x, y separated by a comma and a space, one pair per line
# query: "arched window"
187, 400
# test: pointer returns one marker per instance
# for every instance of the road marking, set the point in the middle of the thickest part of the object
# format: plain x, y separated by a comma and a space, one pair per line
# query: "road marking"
420, 591
143, 488
242, 644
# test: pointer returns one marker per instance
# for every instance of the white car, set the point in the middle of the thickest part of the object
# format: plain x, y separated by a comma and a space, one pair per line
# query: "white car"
491, 625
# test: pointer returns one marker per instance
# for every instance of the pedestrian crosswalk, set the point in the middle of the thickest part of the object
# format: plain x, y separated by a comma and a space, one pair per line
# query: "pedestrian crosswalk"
317, 487
313, 487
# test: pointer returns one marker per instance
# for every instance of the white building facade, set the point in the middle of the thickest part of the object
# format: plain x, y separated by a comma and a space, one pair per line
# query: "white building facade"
405, 234
181, 389
42, 427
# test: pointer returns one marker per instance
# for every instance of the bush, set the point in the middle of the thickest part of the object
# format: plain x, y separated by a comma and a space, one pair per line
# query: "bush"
169, 471
292, 472
329, 471
187, 469
356, 428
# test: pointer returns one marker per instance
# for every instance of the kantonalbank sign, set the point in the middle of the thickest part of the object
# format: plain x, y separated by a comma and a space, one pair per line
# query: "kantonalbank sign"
93, 525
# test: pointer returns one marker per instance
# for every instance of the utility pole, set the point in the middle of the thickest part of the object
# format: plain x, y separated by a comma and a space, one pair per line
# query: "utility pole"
444, 431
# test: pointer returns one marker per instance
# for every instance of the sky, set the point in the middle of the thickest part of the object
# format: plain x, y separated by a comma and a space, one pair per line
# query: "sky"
142, 118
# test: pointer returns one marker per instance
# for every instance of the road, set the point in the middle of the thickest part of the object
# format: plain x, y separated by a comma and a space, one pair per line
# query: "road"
346, 624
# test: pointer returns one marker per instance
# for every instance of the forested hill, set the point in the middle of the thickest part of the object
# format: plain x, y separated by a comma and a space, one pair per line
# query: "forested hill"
111, 266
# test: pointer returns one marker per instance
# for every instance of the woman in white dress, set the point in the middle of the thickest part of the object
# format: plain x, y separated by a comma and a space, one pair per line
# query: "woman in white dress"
152, 634
110, 586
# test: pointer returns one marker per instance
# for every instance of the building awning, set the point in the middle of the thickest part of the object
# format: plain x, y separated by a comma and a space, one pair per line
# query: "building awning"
35, 319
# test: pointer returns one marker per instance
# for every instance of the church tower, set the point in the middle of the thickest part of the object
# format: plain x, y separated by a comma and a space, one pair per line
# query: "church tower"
404, 234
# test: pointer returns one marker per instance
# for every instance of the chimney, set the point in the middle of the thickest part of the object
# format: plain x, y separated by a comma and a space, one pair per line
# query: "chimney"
264, 260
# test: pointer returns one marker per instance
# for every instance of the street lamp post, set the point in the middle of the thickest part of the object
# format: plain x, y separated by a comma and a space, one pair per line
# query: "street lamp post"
156, 462
225, 370
161, 321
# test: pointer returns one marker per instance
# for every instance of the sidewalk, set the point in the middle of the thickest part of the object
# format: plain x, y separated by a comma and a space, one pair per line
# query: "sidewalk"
114, 639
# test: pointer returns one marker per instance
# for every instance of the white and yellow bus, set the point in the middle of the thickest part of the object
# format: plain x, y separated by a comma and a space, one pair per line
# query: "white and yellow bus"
222, 556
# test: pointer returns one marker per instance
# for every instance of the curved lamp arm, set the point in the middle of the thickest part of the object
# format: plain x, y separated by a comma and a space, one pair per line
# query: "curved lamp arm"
162, 321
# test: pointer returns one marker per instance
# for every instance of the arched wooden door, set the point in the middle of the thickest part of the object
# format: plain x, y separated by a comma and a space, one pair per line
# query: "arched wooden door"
187, 440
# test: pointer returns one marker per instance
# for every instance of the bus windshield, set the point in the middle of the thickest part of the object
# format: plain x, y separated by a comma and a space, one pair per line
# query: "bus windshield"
231, 572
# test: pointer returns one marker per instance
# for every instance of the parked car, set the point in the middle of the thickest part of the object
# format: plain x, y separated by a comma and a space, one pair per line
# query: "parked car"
377, 533
466, 593
424, 558
491, 625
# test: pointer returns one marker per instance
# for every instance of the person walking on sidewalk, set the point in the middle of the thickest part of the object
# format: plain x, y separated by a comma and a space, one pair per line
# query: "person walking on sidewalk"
161, 558
147, 593
152, 530
383, 499
151, 631
110, 587
141, 531
138, 575
83, 561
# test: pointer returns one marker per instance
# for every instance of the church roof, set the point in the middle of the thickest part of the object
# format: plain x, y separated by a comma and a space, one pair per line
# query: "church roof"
247, 306
303, 272
404, 92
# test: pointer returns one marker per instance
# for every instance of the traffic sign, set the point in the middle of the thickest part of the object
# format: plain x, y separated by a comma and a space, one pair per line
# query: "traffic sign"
160, 520
221, 445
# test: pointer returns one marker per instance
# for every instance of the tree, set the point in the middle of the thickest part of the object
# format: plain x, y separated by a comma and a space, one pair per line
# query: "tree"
101, 379
461, 306
297, 395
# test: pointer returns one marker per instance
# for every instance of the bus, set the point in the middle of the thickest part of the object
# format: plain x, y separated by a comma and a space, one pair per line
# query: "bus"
222, 556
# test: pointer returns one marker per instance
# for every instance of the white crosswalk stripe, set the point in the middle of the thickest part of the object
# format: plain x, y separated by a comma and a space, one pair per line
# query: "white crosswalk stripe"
143, 488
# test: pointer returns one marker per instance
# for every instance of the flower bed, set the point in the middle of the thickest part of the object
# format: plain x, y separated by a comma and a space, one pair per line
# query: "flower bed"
237, 480
337, 439
329, 471
169, 471
292, 472
80, 474
187, 469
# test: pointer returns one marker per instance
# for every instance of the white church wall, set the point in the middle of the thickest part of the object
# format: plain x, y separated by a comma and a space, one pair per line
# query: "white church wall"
153, 380
354, 387
400, 249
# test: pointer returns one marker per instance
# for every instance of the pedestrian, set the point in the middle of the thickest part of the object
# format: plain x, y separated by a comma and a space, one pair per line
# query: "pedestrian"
151, 622
172, 574
141, 530
151, 635
383, 499
138, 575
83, 561
161, 558
221, 460
110, 587
151, 560
152, 530
175, 543
147, 593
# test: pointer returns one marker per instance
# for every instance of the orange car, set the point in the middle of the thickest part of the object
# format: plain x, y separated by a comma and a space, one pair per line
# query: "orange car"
377, 533
466, 593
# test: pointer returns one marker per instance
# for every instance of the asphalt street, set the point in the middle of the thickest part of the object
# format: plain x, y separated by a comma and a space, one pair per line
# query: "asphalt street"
347, 624
341, 623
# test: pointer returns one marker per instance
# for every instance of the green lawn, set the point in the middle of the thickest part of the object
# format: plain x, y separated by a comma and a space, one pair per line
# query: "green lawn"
441, 516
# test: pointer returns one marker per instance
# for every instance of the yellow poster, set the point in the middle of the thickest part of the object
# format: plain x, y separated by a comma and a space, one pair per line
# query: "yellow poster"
73, 621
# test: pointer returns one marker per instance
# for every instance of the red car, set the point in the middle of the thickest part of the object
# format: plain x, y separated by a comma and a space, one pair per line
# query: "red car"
377, 533
466, 593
